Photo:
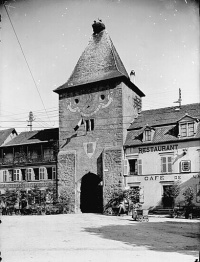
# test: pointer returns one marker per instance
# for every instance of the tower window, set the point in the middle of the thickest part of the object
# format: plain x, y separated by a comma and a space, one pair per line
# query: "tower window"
76, 101
89, 125
102, 97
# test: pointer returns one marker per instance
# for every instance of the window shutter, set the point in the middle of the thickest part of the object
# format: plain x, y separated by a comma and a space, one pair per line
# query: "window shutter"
126, 165
14, 175
139, 166
26, 174
163, 165
32, 174
45, 174
169, 164
142, 194
136, 167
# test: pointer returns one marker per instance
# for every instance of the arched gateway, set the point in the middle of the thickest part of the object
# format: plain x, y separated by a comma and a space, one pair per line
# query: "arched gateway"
96, 105
91, 197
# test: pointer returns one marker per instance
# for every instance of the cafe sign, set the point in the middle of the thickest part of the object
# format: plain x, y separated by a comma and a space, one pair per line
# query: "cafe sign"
161, 178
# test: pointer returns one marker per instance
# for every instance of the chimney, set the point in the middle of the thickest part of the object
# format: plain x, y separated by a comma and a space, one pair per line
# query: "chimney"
132, 76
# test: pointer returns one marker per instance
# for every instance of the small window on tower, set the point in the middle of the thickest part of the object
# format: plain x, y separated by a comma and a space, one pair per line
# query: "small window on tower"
89, 125
92, 124
76, 100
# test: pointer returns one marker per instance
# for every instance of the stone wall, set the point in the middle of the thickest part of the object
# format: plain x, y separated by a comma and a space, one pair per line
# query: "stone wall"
112, 172
66, 176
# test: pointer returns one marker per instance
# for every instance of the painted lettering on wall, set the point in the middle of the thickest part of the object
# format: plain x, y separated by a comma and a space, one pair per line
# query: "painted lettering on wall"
157, 148
159, 178
25, 185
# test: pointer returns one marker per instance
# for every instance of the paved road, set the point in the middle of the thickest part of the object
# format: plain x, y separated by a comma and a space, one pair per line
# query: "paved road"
92, 237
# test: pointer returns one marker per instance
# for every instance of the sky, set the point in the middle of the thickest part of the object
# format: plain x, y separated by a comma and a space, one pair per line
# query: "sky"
42, 40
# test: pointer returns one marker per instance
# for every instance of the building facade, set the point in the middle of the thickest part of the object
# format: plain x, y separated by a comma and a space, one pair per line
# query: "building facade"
161, 148
29, 160
96, 106
6, 135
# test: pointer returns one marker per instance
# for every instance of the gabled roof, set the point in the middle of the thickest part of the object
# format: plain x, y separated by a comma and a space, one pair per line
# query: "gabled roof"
4, 134
186, 116
164, 121
33, 137
165, 116
100, 61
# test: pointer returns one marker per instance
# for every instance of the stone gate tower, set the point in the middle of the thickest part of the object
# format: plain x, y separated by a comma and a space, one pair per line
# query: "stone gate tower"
96, 105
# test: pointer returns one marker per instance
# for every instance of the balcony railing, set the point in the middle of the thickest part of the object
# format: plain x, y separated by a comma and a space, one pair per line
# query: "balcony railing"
27, 160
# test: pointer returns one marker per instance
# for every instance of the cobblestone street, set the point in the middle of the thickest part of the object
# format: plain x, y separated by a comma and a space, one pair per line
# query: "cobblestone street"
92, 237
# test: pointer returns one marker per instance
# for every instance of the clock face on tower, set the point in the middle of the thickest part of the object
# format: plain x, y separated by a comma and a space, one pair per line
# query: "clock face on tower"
90, 104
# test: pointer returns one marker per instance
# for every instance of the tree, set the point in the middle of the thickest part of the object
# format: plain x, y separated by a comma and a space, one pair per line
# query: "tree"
133, 194
64, 200
188, 195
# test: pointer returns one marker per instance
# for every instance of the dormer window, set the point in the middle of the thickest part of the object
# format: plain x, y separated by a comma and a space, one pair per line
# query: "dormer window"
187, 126
148, 134
187, 129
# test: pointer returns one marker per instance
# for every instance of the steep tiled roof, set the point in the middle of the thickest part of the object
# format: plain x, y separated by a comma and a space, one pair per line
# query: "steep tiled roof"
31, 137
163, 116
164, 121
100, 61
5, 133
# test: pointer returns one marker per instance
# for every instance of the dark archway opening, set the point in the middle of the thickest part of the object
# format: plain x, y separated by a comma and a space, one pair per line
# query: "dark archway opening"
91, 199
167, 200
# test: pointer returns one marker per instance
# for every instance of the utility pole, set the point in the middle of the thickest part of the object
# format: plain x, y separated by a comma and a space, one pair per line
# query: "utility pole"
30, 120
179, 98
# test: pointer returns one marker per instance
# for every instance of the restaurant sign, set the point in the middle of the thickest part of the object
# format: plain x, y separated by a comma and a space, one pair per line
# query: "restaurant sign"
157, 148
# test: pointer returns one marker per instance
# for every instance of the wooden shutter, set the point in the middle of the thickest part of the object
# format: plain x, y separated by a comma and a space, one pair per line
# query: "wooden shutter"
169, 164
14, 175
142, 194
139, 166
163, 165
126, 167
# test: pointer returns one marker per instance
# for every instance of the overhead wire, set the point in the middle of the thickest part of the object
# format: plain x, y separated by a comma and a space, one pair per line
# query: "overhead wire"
25, 59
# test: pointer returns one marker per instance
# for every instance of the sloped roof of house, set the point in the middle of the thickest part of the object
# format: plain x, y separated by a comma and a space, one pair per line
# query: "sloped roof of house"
99, 61
164, 121
163, 116
33, 137
4, 134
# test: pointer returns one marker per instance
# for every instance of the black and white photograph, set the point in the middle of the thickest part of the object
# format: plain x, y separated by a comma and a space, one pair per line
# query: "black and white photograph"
99, 131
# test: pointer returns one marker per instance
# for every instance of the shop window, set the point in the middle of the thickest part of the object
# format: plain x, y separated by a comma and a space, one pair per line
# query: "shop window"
28, 174
89, 125
41, 173
16, 174
166, 164
5, 176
